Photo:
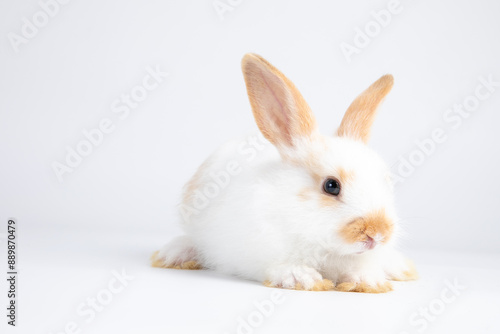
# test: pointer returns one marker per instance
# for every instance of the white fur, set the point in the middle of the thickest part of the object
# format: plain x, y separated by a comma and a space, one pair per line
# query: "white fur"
258, 228
269, 220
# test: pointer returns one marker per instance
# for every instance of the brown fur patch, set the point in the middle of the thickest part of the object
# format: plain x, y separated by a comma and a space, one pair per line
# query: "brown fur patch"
345, 176
359, 117
155, 262
285, 114
327, 200
323, 285
311, 193
194, 183
369, 226
364, 287
306, 194
159, 263
408, 275
318, 179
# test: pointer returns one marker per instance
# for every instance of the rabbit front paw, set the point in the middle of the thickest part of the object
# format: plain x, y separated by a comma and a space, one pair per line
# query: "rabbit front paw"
367, 282
297, 278
365, 287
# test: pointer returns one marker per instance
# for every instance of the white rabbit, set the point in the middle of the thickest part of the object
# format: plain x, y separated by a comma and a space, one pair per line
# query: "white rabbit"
308, 212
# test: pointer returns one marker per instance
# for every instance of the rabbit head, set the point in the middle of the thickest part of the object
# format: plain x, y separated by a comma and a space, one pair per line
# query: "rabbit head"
349, 196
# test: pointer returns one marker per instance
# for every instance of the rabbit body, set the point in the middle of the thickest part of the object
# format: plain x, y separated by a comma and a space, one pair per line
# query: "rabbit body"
293, 208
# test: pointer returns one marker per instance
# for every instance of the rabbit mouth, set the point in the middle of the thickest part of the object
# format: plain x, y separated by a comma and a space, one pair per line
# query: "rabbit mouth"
368, 244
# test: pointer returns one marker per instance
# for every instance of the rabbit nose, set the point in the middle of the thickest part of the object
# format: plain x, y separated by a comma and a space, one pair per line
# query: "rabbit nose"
370, 243
373, 228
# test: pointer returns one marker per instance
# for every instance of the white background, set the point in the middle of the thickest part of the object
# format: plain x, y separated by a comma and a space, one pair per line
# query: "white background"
118, 205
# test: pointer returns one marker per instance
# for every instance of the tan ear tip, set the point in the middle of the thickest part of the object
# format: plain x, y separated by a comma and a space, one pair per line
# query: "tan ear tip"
251, 55
249, 58
383, 84
387, 80
254, 59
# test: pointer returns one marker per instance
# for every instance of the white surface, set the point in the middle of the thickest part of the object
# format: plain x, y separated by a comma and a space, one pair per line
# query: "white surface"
53, 283
118, 205
66, 78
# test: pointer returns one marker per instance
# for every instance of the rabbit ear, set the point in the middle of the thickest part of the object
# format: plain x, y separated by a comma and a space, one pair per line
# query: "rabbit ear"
279, 109
360, 115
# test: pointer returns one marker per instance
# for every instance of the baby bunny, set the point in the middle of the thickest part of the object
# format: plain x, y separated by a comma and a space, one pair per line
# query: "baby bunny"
296, 210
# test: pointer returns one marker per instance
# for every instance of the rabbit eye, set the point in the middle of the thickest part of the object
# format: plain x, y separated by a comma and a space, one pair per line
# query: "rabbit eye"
332, 186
